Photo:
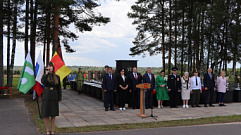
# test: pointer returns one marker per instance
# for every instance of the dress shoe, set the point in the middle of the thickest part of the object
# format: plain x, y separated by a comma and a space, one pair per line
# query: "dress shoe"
124, 108
220, 105
137, 107
193, 106
147, 108
175, 107
112, 109
159, 107
198, 106
133, 108
223, 105
211, 106
151, 107
106, 109
187, 106
205, 106
120, 108
184, 106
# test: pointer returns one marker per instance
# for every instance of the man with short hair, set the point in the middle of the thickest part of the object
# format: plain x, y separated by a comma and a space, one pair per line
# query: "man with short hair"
109, 86
149, 78
135, 78
209, 85
196, 89
174, 86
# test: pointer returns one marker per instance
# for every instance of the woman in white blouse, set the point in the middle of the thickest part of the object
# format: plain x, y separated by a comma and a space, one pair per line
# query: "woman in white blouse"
221, 82
185, 89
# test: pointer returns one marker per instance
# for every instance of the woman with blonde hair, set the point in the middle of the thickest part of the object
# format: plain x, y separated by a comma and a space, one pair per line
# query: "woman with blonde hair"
185, 89
221, 83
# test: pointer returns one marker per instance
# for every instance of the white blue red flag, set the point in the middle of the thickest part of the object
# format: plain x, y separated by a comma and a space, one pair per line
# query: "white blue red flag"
39, 71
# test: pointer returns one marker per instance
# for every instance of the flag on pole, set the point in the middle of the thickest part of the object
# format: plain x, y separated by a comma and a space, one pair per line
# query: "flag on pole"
27, 79
39, 71
59, 65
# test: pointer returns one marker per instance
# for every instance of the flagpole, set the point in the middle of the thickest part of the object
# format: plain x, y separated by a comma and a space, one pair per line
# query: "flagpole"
40, 117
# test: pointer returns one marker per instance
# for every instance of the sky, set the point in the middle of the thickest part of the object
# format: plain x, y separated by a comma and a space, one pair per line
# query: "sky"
104, 44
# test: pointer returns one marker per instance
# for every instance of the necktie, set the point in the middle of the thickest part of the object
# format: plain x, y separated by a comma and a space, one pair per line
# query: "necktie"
135, 77
110, 77
210, 76
196, 82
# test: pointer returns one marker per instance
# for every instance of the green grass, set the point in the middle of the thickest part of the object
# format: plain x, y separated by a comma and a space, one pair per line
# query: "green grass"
33, 109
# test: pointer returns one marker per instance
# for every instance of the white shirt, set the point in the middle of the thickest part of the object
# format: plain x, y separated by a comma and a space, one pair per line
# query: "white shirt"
123, 77
149, 75
193, 83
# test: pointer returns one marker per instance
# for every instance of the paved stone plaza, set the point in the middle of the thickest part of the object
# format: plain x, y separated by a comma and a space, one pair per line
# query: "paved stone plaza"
82, 110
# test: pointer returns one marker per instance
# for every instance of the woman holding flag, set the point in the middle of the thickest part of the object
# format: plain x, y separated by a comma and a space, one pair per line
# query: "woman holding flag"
51, 97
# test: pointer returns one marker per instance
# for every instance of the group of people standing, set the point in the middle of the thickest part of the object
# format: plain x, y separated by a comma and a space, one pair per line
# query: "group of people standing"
166, 88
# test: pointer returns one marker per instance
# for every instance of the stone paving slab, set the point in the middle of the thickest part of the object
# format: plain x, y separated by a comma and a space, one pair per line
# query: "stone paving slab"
83, 110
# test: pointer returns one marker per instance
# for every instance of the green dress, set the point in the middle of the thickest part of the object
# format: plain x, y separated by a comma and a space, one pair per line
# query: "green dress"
51, 96
161, 92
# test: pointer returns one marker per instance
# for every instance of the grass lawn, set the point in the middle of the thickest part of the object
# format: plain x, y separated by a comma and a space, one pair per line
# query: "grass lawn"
33, 109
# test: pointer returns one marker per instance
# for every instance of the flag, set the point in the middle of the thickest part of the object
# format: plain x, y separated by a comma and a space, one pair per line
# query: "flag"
59, 65
39, 71
27, 79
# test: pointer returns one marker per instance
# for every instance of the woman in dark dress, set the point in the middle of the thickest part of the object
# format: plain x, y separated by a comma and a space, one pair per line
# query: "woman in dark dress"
51, 97
122, 86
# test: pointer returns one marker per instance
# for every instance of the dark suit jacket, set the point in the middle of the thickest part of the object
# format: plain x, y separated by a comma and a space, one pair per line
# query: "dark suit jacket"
120, 81
146, 79
108, 83
208, 82
134, 82
174, 83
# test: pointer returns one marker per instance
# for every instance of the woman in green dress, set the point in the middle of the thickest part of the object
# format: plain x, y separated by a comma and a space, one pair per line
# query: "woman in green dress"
161, 90
51, 97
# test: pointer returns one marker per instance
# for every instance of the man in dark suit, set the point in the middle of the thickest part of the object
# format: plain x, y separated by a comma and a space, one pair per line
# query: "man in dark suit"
209, 85
135, 78
109, 87
149, 78
174, 86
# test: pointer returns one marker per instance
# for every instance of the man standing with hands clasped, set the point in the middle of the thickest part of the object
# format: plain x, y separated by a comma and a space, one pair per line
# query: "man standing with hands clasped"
109, 87
149, 78
209, 85
174, 86
196, 89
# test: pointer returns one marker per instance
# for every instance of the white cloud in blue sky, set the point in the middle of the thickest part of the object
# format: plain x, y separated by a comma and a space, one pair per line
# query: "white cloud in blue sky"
104, 44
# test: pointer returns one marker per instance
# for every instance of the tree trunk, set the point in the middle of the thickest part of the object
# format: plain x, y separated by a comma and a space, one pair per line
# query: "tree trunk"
183, 35
56, 30
26, 27
14, 41
170, 36
202, 42
175, 43
163, 38
8, 44
33, 29
48, 38
1, 45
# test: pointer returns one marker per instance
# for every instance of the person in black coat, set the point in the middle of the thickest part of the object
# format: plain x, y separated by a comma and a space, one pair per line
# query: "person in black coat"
109, 87
135, 78
149, 78
209, 85
122, 88
174, 86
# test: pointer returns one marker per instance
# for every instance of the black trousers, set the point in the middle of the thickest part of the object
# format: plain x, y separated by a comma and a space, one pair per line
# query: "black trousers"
135, 97
209, 92
195, 97
122, 98
173, 98
148, 99
109, 99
